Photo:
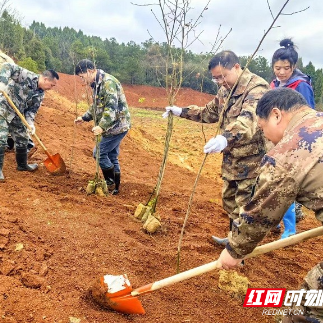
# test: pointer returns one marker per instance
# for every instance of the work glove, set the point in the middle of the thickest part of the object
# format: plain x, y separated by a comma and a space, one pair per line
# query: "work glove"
78, 120
97, 130
174, 109
32, 128
215, 145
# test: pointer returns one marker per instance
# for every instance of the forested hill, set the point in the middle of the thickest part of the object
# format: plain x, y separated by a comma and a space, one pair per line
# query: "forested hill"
39, 47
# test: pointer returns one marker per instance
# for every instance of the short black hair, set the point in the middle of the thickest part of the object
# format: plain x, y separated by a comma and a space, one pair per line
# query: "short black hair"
51, 74
83, 65
286, 52
226, 58
282, 98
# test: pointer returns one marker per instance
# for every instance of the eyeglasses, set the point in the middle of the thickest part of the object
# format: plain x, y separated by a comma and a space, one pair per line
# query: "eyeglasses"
221, 78
217, 79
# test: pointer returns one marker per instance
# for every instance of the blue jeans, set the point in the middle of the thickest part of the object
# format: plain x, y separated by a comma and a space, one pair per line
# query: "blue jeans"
109, 151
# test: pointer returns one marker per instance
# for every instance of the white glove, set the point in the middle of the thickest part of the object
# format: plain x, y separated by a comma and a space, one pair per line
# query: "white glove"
32, 128
215, 145
97, 130
174, 109
78, 120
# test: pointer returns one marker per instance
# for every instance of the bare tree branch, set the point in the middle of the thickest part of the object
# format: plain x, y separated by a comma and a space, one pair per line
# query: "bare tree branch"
178, 29
271, 13
295, 12
144, 5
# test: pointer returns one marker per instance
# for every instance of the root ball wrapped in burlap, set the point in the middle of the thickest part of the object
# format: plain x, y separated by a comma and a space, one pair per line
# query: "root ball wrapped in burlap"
90, 189
235, 284
152, 224
140, 211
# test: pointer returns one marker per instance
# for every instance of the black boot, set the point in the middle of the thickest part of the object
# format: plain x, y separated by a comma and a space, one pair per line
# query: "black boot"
2, 149
10, 143
21, 158
117, 183
108, 175
220, 241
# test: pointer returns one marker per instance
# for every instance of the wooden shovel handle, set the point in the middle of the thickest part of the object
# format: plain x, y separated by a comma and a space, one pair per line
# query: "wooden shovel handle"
24, 121
213, 265
282, 243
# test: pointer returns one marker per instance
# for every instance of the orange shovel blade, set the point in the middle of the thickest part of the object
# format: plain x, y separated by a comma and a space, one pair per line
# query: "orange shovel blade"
127, 304
55, 164
114, 292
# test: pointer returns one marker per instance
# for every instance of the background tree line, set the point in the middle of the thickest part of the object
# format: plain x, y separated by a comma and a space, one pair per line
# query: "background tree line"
39, 47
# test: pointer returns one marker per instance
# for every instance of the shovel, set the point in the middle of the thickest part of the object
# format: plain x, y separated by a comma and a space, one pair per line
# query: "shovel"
116, 292
54, 163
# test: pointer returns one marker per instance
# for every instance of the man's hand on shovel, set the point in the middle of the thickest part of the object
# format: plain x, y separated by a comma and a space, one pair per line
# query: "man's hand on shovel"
32, 129
97, 130
226, 261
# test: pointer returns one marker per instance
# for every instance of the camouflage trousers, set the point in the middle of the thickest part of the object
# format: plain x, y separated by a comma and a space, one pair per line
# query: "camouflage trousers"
16, 129
312, 314
236, 194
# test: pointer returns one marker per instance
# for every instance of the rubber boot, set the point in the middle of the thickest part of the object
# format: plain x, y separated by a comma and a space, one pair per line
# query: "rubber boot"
10, 143
108, 175
289, 221
21, 158
299, 213
2, 149
222, 241
117, 183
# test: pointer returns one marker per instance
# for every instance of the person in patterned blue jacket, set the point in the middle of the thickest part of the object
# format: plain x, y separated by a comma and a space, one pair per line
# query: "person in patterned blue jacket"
284, 63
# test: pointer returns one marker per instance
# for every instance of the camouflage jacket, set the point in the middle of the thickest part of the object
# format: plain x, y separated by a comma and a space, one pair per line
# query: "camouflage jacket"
110, 109
313, 281
290, 171
246, 143
22, 87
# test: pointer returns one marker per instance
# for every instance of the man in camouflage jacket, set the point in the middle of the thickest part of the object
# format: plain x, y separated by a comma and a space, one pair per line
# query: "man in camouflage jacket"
26, 90
290, 171
241, 141
111, 117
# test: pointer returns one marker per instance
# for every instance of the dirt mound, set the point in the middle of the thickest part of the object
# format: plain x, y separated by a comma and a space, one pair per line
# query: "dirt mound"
140, 96
55, 240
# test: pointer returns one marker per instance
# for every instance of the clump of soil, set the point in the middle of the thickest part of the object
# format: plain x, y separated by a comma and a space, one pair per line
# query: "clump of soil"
98, 291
